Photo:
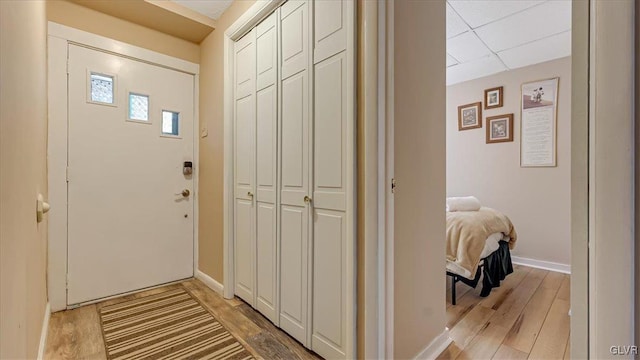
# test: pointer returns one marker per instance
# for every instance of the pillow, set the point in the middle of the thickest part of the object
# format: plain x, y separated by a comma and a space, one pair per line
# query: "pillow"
466, 203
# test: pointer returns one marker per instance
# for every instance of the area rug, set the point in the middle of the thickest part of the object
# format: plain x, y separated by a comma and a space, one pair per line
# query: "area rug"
169, 325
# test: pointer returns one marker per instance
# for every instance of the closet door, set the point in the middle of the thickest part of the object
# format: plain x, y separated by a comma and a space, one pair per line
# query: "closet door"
266, 170
333, 169
245, 165
294, 169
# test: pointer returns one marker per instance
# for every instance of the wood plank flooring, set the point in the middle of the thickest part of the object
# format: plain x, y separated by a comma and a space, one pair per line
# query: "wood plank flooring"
76, 334
525, 318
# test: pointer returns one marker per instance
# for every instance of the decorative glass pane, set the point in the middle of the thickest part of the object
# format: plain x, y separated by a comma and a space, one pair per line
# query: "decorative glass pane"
138, 107
102, 88
170, 122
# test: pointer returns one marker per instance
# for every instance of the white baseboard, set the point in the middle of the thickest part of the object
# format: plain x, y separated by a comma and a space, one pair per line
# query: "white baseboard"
436, 347
210, 282
44, 331
540, 264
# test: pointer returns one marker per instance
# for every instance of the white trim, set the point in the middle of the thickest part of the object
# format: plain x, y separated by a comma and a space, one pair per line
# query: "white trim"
389, 164
371, 132
196, 172
44, 332
210, 282
436, 347
227, 201
382, 183
57, 172
252, 17
59, 38
105, 44
541, 264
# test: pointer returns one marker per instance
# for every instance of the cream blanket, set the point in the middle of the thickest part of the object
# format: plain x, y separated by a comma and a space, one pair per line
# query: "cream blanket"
467, 232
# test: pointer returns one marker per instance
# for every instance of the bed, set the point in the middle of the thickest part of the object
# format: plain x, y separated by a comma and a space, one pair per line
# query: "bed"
479, 240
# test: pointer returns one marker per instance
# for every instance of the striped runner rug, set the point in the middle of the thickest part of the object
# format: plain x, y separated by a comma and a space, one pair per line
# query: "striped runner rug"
169, 325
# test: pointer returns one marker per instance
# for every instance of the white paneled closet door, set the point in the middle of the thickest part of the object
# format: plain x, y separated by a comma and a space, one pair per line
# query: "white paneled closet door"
333, 174
266, 167
294, 146
245, 168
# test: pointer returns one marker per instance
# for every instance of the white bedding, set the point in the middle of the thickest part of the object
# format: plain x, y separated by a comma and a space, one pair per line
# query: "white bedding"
490, 245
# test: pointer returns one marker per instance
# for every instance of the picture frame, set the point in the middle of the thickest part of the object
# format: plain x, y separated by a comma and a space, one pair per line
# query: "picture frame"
499, 128
538, 123
470, 116
493, 98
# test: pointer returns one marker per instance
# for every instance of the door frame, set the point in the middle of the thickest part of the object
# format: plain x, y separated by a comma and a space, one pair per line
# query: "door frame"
589, 149
59, 39
252, 17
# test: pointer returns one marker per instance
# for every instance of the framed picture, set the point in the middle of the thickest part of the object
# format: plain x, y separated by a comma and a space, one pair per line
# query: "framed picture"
538, 123
470, 116
493, 98
500, 128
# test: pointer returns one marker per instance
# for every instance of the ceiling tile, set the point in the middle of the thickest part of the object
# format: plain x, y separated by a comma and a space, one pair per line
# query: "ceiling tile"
466, 47
455, 25
211, 8
549, 18
451, 61
485, 66
477, 13
553, 47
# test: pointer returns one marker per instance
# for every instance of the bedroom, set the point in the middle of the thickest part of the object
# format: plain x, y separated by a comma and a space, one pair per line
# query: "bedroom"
517, 160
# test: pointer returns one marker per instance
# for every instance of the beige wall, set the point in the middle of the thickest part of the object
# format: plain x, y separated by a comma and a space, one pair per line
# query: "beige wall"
23, 134
210, 257
580, 179
537, 200
83, 18
419, 160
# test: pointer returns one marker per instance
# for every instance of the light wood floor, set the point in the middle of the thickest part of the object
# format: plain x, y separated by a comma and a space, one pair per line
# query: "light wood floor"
76, 334
525, 318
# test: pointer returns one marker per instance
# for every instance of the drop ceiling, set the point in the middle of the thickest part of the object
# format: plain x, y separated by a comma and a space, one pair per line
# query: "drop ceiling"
485, 37
210, 8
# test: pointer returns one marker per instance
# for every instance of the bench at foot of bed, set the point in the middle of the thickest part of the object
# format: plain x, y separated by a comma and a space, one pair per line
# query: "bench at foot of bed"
495, 268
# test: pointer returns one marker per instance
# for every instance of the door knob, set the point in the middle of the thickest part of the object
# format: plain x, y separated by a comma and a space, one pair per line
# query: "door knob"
307, 199
184, 193
250, 194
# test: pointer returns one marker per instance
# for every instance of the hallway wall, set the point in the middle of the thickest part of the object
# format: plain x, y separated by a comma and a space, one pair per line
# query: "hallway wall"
83, 18
23, 139
420, 169
211, 184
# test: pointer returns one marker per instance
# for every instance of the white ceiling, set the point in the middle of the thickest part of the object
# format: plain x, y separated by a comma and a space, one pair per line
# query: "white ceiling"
210, 8
485, 37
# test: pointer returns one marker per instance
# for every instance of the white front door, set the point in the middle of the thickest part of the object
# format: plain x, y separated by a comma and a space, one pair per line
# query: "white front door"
130, 206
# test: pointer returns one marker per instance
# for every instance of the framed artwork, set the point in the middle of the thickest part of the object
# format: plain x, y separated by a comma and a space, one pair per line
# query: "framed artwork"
538, 123
470, 116
493, 98
500, 128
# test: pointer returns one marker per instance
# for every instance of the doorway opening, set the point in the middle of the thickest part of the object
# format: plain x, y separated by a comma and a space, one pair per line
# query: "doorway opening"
508, 146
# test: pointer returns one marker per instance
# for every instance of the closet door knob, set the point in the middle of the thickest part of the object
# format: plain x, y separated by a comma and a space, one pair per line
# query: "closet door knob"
250, 194
307, 199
